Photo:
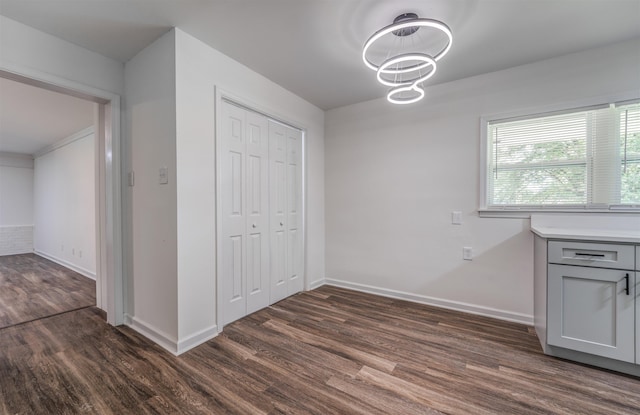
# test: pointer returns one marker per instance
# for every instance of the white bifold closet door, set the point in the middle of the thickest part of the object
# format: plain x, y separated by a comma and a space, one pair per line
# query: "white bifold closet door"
244, 197
261, 250
285, 190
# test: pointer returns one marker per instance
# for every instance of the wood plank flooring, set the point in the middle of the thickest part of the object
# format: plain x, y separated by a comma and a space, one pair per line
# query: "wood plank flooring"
328, 351
32, 287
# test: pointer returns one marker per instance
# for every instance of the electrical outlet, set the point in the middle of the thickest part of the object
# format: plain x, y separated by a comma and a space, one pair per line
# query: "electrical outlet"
467, 253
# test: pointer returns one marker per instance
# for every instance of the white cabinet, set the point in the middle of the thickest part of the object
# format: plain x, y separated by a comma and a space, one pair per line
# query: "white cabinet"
637, 287
637, 274
585, 302
592, 310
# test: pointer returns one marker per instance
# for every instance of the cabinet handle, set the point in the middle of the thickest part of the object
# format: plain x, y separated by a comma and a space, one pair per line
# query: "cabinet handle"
626, 277
581, 254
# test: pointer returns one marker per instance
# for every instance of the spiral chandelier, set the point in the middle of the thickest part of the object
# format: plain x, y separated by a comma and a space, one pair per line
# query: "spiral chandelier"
405, 54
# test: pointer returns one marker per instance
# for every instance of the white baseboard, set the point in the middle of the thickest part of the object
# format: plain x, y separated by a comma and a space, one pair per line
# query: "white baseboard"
67, 264
16, 251
157, 336
437, 302
197, 339
167, 342
315, 284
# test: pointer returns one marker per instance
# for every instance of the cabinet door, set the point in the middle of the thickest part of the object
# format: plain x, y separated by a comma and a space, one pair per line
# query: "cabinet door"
591, 310
637, 311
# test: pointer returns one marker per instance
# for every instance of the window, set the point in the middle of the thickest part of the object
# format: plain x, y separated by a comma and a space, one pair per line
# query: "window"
578, 159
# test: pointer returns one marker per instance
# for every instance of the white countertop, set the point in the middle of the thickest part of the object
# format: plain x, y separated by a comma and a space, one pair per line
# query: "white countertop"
607, 228
585, 234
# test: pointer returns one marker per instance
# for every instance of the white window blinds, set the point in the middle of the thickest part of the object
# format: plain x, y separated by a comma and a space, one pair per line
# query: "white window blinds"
630, 154
585, 158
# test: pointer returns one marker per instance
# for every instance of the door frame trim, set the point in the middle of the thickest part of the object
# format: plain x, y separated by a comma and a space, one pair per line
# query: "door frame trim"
221, 95
109, 255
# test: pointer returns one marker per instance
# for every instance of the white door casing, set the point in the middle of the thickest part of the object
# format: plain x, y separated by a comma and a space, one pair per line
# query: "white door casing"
110, 293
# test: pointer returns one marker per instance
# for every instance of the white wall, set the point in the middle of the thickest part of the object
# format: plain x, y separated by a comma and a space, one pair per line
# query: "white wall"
32, 53
394, 174
199, 69
16, 203
151, 128
64, 200
170, 122
26, 48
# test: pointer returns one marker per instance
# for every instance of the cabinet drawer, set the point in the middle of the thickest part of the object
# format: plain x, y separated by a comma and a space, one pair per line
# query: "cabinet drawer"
592, 254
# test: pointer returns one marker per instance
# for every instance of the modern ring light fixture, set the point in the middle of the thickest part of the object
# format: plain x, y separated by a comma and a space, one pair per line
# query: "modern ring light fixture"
402, 61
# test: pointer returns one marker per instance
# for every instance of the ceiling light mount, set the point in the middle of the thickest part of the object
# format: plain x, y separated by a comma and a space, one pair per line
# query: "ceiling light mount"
404, 61
408, 30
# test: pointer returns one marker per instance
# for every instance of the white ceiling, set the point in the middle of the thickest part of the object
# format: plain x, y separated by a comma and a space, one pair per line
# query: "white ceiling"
33, 118
312, 47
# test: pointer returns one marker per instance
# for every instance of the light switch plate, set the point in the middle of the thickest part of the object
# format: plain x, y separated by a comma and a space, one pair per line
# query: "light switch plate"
456, 217
467, 253
164, 175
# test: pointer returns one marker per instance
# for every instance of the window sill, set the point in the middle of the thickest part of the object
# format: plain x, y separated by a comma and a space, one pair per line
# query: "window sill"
525, 213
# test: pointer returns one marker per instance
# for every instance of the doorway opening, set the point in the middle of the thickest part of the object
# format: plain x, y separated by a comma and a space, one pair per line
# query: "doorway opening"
108, 203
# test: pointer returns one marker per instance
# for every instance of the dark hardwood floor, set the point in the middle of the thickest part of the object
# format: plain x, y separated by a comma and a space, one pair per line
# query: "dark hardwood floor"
32, 287
328, 351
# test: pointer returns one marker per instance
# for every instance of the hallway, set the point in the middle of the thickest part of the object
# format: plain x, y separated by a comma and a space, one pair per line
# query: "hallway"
34, 287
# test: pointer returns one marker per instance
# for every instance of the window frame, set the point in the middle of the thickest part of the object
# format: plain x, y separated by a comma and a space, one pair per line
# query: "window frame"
515, 211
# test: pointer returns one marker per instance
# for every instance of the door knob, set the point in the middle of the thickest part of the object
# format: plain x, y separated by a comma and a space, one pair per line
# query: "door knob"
253, 226
281, 224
